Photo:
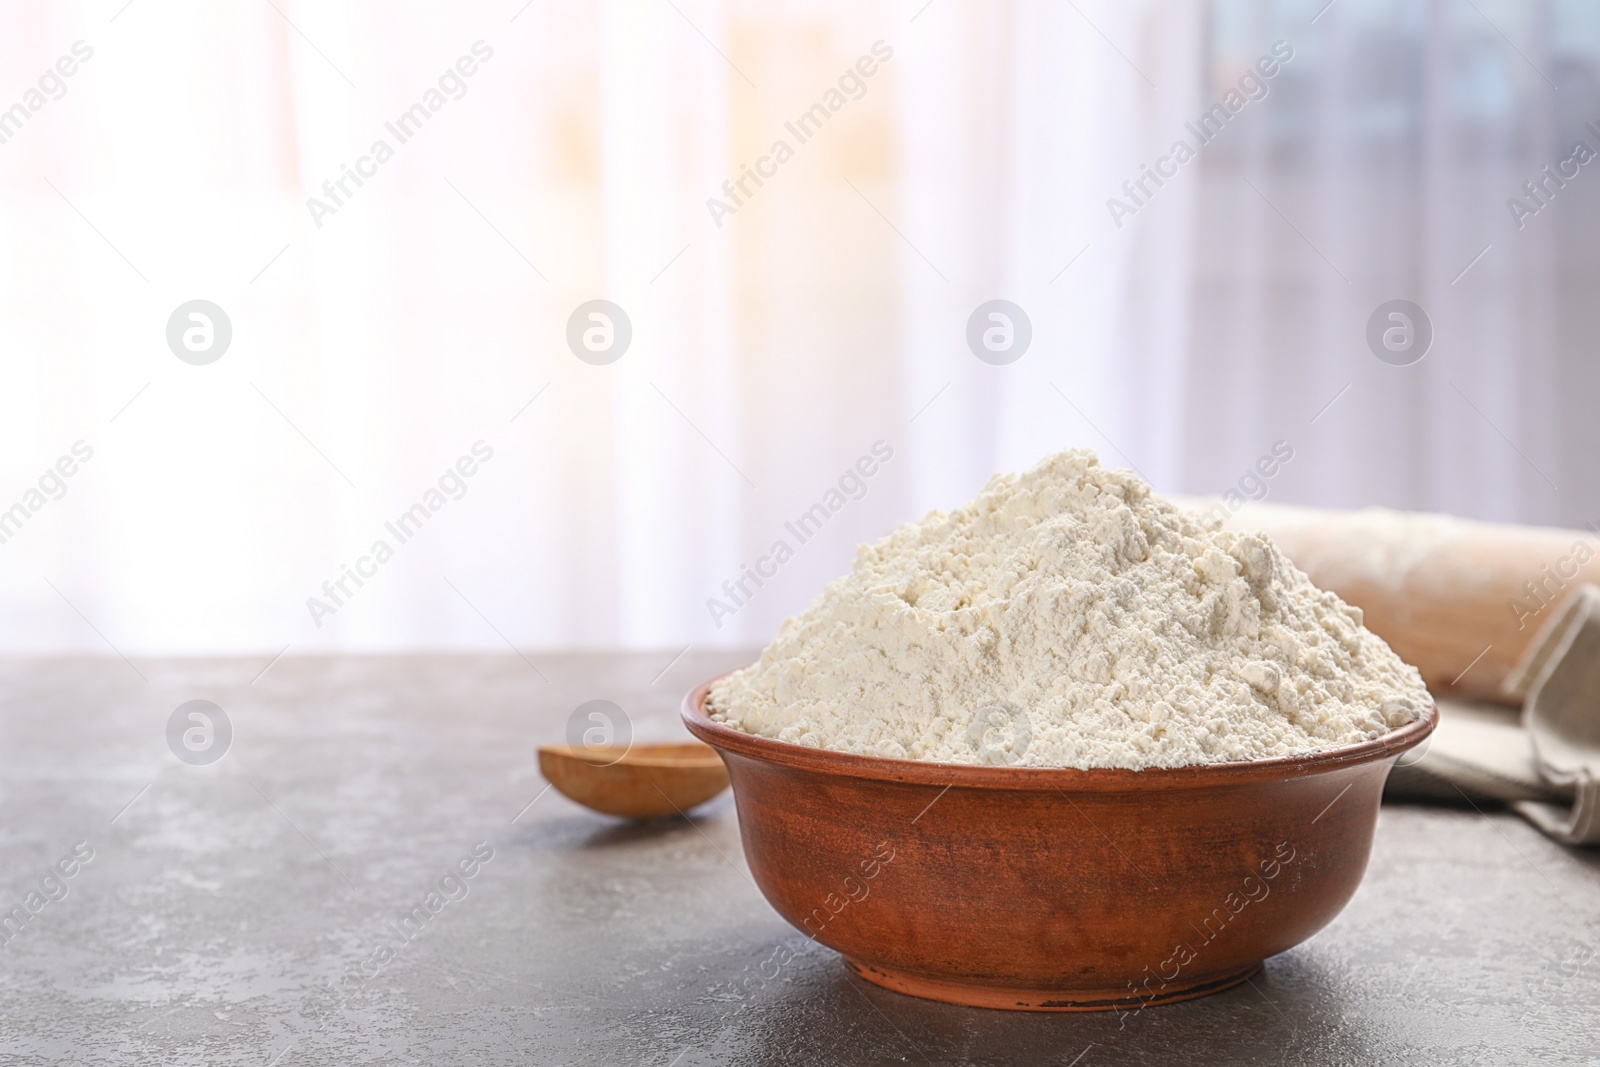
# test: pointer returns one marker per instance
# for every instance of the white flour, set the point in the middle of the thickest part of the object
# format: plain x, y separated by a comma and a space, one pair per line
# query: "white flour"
1068, 617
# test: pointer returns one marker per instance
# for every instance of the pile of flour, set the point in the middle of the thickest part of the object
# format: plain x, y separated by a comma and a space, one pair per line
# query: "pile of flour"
1068, 617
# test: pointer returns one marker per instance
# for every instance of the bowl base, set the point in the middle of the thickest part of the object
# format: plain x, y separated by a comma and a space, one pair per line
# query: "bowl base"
988, 996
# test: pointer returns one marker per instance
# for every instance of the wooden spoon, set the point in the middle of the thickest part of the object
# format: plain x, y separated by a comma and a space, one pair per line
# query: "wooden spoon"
641, 782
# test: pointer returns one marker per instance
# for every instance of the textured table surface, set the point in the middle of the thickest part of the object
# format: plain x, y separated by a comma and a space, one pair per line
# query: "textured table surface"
223, 906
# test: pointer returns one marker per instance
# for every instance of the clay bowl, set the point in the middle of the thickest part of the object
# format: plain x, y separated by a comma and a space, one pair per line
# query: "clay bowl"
1047, 889
641, 782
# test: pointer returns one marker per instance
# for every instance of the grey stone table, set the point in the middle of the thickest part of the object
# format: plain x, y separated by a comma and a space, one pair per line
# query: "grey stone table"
257, 910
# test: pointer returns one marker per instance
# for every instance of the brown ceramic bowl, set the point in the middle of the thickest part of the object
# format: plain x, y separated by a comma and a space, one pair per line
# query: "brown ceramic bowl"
1047, 889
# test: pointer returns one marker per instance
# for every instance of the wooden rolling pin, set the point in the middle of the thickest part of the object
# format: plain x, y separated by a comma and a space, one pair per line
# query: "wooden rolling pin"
1459, 599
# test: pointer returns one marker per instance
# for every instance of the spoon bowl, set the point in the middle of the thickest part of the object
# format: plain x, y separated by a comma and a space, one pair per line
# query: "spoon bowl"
639, 782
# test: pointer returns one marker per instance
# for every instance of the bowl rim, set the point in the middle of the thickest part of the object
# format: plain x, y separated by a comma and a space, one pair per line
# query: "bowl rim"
1102, 779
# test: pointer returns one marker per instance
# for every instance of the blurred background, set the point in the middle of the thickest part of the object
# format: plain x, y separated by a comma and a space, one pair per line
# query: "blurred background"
778, 331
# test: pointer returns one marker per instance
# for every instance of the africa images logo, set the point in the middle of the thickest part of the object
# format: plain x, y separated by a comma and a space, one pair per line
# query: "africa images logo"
199, 732
1399, 332
199, 332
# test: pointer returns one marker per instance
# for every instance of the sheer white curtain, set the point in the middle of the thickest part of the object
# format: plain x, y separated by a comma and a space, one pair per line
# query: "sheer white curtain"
824, 318
1017, 130
1379, 169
